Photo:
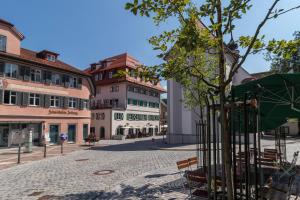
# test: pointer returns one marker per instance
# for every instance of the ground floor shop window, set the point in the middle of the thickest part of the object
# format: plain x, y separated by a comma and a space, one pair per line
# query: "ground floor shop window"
54, 133
71, 133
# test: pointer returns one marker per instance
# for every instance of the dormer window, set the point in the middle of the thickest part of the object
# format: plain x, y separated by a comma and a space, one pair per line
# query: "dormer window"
51, 58
110, 75
3, 40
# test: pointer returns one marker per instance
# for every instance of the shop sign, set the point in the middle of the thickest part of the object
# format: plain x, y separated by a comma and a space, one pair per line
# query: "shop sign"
63, 112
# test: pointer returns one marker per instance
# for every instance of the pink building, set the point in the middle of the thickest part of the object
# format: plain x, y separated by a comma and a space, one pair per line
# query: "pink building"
40, 92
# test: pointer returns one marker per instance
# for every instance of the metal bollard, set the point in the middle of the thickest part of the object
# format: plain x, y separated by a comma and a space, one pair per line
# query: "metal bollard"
45, 150
19, 154
62, 148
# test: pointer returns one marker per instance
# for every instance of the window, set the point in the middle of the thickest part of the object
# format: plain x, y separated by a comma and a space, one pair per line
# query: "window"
72, 102
100, 77
35, 75
97, 77
56, 79
145, 103
119, 116
132, 73
34, 99
114, 88
11, 70
10, 97
54, 101
73, 82
51, 58
85, 104
3, 40
110, 75
137, 90
130, 89
141, 103
134, 102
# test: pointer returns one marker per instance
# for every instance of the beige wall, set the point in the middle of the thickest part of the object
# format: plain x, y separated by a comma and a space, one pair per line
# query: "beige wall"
106, 123
103, 92
13, 42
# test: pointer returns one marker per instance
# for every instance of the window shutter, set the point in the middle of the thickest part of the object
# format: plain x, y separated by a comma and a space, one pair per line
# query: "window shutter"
66, 102
25, 99
26, 74
79, 83
80, 104
2, 65
19, 98
42, 100
61, 102
47, 101
88, 104
21, 72
1, 96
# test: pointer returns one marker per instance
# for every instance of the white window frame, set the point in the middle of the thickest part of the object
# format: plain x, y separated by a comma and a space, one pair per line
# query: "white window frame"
10, 66
50, 58
85, 104
10, 97
3, 43
110, 75
54, 101
72, 102
34, 97
73, 82
55, 77
36, 73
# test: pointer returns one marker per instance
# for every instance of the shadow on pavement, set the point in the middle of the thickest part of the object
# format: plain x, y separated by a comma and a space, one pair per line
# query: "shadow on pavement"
141, 145
147, 191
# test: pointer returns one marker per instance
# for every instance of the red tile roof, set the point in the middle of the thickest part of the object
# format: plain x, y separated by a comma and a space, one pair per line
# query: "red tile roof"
31, 56
122, 61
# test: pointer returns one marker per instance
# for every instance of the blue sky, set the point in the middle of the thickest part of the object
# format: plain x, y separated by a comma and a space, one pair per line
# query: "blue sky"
85, 31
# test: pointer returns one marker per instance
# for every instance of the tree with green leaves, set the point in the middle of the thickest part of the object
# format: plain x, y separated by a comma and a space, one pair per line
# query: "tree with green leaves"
189, 49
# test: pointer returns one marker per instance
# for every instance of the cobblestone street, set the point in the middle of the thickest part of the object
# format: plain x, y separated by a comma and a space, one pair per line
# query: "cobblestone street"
131, 169
137, 171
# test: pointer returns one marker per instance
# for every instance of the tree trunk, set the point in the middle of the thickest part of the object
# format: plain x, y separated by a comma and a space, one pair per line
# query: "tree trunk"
225, 135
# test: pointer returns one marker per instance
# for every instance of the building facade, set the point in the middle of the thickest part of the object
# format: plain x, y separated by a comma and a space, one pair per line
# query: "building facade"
124, 106
41, 93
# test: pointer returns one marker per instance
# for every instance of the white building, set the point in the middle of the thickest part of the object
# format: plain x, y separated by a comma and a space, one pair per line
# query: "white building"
125, 106
182, 121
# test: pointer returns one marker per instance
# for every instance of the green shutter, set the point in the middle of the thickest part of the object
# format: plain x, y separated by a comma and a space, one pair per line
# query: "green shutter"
2, 65
47, 101
80, 83
42, 100
25, 99
1, 96
66, 102
26, 76
19, 98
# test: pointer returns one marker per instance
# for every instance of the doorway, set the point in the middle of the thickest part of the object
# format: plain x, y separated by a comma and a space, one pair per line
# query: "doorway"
102, 133
4, 132
71, 133
54, 133
85, 131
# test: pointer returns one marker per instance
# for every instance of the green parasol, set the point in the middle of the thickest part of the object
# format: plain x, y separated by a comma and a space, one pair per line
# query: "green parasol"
278, 96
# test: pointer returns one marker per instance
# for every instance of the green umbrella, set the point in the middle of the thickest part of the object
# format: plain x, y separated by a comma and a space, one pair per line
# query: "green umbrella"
278, 96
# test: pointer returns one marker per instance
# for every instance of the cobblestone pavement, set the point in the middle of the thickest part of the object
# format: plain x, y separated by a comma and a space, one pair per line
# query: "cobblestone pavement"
132, 169
138, 172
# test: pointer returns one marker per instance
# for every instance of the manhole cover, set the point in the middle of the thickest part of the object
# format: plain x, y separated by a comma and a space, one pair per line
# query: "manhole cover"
79, 160
35, 194
103, 172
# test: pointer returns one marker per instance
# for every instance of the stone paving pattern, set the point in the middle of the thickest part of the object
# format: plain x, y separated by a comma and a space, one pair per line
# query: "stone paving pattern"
141, 170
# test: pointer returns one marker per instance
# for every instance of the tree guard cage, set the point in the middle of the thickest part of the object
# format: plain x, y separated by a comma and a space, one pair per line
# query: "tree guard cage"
251, 109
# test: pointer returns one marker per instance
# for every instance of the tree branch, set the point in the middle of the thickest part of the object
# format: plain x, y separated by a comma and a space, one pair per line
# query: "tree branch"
283, 12
243, 58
